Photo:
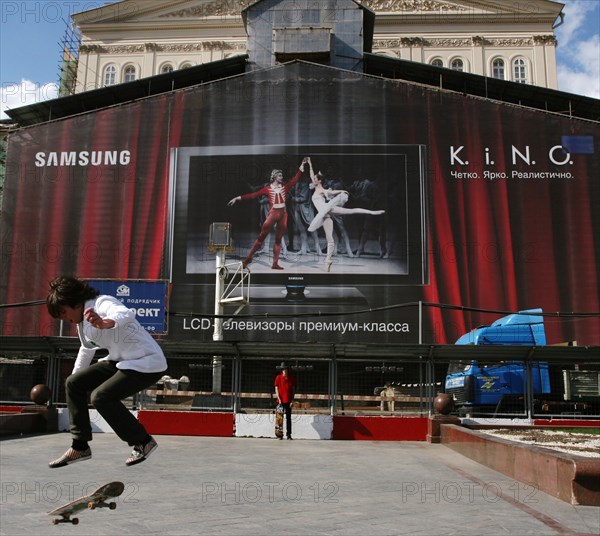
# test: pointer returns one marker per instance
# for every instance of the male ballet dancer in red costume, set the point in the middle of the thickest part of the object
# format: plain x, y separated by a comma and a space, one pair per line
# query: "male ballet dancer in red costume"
277, 193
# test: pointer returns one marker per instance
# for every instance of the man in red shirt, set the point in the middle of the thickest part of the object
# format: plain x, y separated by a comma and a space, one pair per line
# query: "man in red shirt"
284, 392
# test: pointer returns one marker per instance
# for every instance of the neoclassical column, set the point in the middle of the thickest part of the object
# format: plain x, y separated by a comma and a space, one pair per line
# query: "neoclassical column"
149, 61
478, 55
544, 57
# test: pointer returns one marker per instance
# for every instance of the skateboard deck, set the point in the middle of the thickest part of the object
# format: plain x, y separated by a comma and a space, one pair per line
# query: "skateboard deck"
94, 500
279, 421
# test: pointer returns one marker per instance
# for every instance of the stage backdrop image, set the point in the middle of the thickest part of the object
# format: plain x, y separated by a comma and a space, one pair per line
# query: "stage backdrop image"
439, 197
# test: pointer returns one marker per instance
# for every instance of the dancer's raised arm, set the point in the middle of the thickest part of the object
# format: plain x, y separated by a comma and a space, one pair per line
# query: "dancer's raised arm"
313, 177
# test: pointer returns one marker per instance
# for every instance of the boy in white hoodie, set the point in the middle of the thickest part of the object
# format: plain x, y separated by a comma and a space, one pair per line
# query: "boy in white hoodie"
134, 362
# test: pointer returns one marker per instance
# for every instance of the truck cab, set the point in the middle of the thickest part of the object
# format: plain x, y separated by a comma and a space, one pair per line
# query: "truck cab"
474, 383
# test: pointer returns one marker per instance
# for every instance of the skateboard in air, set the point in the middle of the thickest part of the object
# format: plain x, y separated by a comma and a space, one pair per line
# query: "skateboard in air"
94, 500
279, 421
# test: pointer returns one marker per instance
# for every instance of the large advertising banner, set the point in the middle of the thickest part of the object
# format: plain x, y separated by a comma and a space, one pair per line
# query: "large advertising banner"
350, 198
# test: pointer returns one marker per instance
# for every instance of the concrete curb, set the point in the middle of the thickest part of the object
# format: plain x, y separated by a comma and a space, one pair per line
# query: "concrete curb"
571, 478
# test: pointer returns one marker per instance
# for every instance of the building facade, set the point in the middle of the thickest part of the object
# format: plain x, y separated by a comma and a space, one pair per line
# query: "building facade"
133, 39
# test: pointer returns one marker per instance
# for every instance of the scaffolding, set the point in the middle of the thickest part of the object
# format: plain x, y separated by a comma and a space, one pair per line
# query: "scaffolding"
67, 75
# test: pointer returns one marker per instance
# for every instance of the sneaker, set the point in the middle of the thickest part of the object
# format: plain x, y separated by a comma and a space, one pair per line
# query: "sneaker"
72, 456
289, 438
141, 452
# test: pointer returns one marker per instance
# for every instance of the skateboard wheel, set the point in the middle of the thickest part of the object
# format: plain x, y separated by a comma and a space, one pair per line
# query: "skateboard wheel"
55, 521
75, 521
92, 506
112, 505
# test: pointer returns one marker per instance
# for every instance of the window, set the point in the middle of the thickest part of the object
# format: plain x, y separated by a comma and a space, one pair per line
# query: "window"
498, 69
520, 71
437, 62
457, 65
129, 74
110, 75
186, 65
166, 68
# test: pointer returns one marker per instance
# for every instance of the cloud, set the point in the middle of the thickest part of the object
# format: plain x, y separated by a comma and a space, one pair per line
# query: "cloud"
578, 53
15, 95
581, 75
576, 15
578, 83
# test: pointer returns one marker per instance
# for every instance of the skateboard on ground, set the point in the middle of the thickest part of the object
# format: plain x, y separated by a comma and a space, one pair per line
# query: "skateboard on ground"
94, 500
279, 421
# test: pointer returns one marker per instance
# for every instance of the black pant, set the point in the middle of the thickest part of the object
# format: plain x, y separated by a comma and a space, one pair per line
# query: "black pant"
108, 385
287, 409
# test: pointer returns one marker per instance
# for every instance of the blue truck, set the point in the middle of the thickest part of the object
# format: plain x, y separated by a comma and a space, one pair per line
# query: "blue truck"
473, 384
478, 386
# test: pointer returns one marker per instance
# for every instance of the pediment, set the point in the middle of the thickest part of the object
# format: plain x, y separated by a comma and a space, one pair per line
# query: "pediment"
148, 11
209, 8
465, 7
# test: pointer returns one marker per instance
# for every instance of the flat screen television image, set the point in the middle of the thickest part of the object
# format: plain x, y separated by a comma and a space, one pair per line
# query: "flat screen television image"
379, 236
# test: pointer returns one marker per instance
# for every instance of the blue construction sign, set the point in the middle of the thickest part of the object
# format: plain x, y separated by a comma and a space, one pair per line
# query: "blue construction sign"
148, 299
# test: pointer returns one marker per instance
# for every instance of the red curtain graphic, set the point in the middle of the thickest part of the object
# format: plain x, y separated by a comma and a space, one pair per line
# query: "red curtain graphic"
512, 243
94, 221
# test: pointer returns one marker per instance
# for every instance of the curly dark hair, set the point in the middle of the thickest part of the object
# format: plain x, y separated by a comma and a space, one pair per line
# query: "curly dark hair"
70, 291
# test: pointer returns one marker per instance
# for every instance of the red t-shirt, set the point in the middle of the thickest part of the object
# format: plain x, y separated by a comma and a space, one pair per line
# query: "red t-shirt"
285, 386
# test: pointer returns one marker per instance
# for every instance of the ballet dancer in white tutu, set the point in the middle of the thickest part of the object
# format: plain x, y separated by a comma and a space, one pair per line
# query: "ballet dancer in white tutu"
328, 202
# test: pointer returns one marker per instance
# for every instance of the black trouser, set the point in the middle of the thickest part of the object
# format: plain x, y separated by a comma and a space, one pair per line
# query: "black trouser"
287, 408
108, 385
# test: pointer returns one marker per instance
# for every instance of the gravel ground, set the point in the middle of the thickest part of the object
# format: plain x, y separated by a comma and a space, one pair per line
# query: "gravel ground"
581, 444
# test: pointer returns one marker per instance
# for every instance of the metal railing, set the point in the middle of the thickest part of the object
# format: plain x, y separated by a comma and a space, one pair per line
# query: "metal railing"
381, 384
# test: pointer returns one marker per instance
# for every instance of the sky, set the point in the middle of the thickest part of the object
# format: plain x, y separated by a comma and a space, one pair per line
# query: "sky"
31, 32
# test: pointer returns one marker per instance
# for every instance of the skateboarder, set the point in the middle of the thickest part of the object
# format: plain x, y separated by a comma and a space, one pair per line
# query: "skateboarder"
134, 362
284, 392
